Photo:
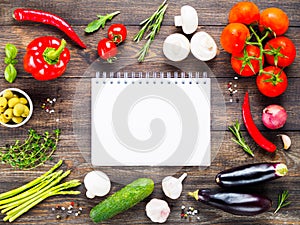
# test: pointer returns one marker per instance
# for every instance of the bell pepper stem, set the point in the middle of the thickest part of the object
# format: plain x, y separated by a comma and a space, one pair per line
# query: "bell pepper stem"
51, 55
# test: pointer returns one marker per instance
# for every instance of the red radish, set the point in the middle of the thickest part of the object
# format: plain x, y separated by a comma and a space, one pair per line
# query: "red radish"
274, 116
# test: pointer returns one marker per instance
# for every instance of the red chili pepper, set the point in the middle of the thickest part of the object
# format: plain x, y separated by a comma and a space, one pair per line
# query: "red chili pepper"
47, 18
252, 128
46, 58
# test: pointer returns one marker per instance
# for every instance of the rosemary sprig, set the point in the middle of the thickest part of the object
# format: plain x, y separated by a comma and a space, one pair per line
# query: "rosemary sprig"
33, 152
282, 200
151, 25
235, 130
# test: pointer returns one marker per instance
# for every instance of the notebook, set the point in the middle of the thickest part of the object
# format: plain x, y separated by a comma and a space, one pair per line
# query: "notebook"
150, 119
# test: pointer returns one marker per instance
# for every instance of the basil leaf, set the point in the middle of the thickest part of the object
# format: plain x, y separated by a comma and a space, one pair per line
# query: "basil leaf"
93, 26
11, 51
10, 73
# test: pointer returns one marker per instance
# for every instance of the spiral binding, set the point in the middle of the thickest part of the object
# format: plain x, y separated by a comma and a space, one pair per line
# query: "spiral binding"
151, 75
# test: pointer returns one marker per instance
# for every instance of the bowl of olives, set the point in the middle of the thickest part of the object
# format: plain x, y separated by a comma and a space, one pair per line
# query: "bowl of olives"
15, 107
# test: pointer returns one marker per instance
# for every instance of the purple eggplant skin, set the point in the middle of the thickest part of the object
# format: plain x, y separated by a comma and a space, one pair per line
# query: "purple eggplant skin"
250, 174
242, 204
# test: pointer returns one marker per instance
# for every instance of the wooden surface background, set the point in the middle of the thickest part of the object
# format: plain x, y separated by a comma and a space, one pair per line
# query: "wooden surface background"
212, 19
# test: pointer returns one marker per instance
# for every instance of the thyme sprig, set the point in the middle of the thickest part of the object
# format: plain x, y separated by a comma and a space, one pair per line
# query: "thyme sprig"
235, 130
33, 152
151, 25
282, 200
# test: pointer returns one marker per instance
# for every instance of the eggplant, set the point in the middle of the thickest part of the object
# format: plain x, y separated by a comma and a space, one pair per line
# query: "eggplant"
242, 204
250, 174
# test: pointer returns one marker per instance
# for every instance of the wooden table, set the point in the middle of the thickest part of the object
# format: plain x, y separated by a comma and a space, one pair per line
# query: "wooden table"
212, 19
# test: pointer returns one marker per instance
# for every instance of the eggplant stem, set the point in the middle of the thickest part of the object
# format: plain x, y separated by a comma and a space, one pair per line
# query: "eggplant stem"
281, 169
194, 194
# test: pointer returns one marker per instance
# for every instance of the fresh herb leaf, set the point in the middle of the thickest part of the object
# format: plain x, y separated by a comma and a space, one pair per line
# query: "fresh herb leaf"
33, 152
151, 25
11, 51
282, 200
10, 73
96, 24
235, 130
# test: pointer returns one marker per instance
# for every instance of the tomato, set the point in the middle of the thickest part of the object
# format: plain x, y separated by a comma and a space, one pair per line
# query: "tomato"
234, 36
107, 50
272, 85
243, 62
244, 12
117, 33
281, 51
275, 19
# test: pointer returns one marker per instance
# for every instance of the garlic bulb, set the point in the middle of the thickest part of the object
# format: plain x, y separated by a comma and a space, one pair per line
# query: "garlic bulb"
158, 210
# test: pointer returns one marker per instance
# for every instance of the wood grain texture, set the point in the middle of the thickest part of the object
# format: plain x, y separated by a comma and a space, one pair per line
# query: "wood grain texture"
72, 91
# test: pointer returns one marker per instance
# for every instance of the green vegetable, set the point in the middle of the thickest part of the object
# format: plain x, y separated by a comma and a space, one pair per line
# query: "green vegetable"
282, 201
235, 130
16, 202
122, 200
10, 72
33, 152
151, 24
96, 24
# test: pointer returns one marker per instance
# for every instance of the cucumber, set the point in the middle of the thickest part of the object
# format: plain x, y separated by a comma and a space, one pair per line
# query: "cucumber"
122, 200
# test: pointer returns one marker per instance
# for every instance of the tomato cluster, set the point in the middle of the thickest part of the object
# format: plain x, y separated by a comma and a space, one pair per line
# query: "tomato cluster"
258, 46
107, 47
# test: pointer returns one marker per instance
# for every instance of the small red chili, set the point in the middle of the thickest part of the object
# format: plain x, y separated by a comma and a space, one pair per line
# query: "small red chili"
46, 58
252, 128
47, 18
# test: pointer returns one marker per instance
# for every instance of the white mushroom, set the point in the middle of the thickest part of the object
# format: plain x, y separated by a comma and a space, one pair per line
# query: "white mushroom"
172, 187
176, 47
158, 210
203, 46
188, 19
97, 183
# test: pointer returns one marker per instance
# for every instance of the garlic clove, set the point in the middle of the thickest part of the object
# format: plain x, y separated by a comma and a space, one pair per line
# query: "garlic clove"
157, 210
286, 140
172, 187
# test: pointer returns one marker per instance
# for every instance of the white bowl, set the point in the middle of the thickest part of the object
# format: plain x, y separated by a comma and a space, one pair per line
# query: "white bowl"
19, 93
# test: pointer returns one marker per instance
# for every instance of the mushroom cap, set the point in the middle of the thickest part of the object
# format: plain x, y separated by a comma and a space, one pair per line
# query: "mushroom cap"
97, 183
176, 47
203, 46
188, 19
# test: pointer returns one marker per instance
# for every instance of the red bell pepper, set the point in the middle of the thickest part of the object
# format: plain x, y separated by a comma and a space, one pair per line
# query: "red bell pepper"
46, 58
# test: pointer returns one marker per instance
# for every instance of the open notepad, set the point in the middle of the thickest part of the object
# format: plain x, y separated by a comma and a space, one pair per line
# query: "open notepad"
151, 121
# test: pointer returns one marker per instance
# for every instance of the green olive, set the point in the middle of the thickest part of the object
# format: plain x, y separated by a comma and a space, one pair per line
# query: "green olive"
3, 119
8, 113
17, 119
13, 101
3, 102
23, 100
8, 94
26, 111
2, 109
18, 109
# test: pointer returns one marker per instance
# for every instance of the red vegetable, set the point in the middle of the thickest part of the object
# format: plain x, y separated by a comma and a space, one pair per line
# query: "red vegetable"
274, 116
117, 33
246, 63
280, 51
46, 58
272, 82
252, 129
47, 18
244, 12
107, 50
